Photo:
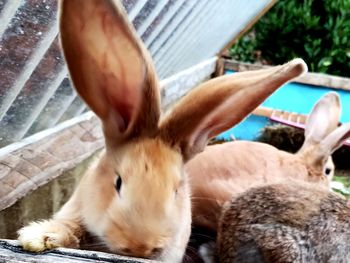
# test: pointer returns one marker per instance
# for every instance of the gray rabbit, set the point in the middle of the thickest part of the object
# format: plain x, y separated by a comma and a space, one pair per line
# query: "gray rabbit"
285, 223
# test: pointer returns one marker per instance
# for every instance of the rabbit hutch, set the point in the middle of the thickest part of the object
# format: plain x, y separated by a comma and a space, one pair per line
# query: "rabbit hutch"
49, 136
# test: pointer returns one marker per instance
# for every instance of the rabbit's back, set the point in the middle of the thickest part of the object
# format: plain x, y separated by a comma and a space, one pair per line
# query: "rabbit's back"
285, 223
246, 165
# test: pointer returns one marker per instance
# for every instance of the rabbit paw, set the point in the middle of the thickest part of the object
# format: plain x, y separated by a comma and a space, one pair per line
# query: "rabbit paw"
39, 236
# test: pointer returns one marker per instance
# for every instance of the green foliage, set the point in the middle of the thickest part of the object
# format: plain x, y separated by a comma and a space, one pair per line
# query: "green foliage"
246, 49
342, 186
316, 30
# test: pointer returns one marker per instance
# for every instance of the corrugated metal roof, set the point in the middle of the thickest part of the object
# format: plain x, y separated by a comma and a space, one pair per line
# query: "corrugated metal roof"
35, 93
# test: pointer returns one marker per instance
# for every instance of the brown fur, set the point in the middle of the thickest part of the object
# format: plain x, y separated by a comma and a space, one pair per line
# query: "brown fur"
149, 215
209, 109
225, 170
285, 223
98, 69
123, 220
219, 183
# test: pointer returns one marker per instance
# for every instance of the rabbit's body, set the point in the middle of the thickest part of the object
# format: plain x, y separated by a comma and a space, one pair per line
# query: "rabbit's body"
135, 198
225, 170
254, 164
285, 223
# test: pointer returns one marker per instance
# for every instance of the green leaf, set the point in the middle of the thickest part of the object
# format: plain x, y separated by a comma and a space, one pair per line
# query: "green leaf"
347, 53
315, 30
326, 62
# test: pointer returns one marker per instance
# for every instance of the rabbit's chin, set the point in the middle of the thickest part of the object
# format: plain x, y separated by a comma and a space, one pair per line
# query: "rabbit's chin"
167, 246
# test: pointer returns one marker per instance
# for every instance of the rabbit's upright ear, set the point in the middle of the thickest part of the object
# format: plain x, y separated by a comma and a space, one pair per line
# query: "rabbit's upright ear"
220, 103
110, 68
323, 119
335, 139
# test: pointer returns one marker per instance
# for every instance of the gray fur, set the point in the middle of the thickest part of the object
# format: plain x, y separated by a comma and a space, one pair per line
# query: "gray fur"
285, 223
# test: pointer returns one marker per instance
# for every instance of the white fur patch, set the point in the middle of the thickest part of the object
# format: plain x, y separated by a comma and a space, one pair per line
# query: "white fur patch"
32, 237
39, 236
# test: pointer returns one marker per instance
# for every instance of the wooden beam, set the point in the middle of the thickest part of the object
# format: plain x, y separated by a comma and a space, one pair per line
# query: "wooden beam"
285, 116
310, 78
246, 28
10, 251
220, 68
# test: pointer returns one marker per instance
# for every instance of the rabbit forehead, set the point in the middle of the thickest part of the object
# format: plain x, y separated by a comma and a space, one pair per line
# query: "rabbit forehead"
149, 161
151, 173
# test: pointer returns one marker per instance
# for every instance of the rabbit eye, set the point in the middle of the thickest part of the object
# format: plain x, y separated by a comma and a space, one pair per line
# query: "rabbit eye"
178, 188
118, 184
328, 171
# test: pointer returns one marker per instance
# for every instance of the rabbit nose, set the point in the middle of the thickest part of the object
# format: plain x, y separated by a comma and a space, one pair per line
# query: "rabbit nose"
150, 252
156, 251
142, 251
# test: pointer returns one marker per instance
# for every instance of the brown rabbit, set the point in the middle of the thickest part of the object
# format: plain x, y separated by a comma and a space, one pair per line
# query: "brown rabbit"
135, 198
285, 223
225, 170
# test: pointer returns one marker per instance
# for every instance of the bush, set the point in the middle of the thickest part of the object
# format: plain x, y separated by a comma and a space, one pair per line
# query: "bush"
316, 30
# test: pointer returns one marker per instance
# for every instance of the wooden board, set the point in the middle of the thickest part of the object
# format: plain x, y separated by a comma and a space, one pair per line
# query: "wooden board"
310, 78
10, 251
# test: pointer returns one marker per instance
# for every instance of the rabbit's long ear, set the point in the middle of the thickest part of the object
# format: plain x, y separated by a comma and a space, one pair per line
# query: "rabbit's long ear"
110, 68
323, 119
335, 139
220, 103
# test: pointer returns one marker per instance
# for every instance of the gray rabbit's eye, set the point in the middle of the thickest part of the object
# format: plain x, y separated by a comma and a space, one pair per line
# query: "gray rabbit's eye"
327, 171
118, 184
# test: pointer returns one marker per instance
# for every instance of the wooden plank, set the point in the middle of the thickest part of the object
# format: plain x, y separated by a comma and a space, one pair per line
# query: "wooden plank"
247, 27
310, 78
10, 251
220, 67
287, 118
319, 79
296, 118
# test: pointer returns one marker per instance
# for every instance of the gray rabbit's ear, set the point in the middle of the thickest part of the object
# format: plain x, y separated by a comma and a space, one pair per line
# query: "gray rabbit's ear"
335, 139
110, 68
220, 103
323, 119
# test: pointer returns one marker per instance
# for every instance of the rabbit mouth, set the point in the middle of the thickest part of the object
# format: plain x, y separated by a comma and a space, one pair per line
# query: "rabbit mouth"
123, 243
